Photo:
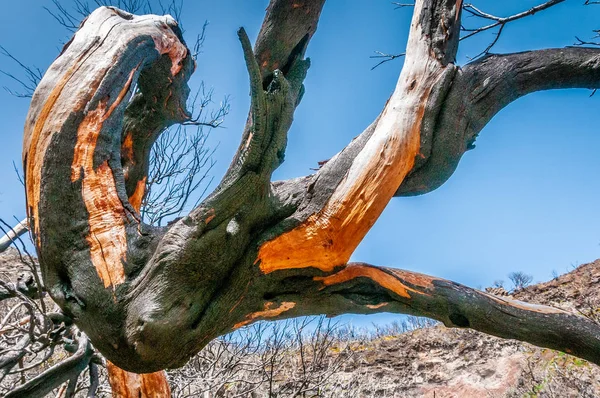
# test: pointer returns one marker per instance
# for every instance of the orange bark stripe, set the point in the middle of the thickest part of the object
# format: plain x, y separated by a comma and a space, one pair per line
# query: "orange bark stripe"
136, 198
377, 275
107, 237
459, 4
328, 239
127, 147
211, 215
131, 385
268, 312
376, 306
414, 278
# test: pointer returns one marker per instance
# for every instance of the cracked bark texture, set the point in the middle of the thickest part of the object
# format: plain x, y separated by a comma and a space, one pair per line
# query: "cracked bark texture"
256, 249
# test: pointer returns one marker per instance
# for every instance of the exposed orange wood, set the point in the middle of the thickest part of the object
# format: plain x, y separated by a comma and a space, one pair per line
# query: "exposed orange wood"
210, 215
127, 147
136, 198
376, 306
414, 278
459, 4
329, 237
107, 237
268, 312
377, 275
131, 385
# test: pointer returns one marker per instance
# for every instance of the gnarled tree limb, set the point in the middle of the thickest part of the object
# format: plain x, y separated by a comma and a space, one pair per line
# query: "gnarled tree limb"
252, 249
482, 88
363, 289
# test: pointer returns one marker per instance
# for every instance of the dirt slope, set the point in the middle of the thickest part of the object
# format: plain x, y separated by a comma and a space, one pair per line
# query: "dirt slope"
440, 362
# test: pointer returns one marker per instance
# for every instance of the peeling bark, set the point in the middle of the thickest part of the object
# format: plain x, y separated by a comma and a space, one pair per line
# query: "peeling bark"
256, 249
130, 385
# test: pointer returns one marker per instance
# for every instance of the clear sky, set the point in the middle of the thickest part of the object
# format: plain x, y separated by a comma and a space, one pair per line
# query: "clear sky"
525, 199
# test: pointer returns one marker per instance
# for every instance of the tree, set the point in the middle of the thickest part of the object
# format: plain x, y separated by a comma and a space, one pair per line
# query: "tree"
256, 249
520, 279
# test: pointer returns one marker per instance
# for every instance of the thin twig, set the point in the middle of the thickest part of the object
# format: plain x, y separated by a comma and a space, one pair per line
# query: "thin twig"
498, 22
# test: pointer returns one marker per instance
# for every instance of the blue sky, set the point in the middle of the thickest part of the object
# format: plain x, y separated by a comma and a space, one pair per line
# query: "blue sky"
525, 199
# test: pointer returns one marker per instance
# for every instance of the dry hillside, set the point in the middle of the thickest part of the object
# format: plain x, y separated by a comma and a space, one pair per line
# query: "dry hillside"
315, 357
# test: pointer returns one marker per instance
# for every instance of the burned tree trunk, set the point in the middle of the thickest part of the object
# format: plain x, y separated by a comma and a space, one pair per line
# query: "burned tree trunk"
256, 249
130, 385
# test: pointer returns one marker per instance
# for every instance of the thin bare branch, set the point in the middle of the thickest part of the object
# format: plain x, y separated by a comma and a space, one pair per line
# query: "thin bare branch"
181, 163
33, 75
9, 238
387, 57
64, 371
402, 5
498, 22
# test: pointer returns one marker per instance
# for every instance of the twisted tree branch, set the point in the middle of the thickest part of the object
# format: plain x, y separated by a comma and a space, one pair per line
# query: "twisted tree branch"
364, 289
484, 87
255, 249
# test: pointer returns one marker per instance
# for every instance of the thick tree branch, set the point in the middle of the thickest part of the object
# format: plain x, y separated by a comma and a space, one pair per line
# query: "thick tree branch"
482, 88
285, 34
500, 79
363, 289
240, 206
126, 384
160, 102
73, 166
381, 159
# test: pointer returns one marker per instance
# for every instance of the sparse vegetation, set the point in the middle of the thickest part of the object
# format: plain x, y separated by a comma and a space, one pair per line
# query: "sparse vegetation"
520, 279
318, 357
